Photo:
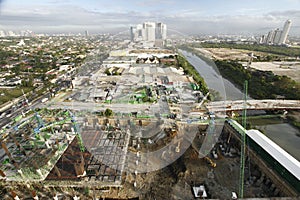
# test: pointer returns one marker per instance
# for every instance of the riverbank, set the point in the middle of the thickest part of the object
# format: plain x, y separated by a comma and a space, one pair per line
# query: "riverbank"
262, 84
190, 70
274, 52
279, 130
294, 119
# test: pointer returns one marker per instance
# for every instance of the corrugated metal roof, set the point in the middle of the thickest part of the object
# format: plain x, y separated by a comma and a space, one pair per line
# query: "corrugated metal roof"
284, 158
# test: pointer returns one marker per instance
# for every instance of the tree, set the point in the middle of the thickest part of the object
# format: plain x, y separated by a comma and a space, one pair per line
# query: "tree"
28, 82
107, 72
108, 112
145, 99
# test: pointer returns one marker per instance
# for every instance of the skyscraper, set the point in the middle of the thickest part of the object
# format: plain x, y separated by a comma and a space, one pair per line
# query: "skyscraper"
277, 36
270, 37
149, 32
149, 28
285, 31
161, 31
164, 31
132, 32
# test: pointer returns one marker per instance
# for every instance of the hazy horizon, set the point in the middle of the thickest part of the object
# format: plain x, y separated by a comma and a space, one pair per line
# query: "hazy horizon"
189, 17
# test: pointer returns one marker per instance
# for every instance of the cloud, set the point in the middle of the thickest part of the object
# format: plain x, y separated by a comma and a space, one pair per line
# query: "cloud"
241, 23
58, 1
71, 18
62, 16
148, 3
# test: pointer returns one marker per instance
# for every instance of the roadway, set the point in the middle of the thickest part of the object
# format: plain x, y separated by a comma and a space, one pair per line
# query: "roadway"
263, 104
92, 106
16, 109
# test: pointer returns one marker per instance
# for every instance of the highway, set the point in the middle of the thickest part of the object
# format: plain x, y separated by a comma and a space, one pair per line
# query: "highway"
91, 106
263, 104
15, 111
10, 113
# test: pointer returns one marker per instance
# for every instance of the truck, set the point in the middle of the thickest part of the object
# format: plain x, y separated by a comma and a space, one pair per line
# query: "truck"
44, 100
6, 106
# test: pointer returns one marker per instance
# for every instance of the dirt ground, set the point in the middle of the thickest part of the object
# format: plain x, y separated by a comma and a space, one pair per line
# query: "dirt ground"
290, 69
172, 182
176, 180
228, 54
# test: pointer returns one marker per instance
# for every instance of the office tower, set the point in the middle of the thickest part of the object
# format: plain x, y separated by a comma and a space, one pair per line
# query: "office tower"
2, 34
132, 33
270, 37
148, 31
164, 31
277, 35
285, 31
262, 39
160, 31
137, 33
149, 28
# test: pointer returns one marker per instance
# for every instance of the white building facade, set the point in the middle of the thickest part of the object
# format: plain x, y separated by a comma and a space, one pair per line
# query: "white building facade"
150, 32
277, 37
285, 31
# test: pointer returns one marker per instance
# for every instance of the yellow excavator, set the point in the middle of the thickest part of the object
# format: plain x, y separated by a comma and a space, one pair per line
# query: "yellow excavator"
212, 163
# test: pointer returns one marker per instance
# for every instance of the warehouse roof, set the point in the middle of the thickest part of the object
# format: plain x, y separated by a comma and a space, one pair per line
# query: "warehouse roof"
284, 158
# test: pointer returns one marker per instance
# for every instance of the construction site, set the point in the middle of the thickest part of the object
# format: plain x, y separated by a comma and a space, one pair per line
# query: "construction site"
137, 128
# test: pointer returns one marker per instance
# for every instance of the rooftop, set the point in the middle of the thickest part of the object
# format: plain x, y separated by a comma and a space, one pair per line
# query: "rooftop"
284, 158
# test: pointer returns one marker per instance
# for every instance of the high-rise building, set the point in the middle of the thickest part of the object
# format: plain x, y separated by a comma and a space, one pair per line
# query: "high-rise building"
161, 31
277, 36
132, 31
2, 34
285, 31
270, 37
262, 39
86, 33
164, 31
149, 32
149, 28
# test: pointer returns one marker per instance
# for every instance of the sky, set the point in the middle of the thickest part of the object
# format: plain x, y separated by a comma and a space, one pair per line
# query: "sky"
185, 16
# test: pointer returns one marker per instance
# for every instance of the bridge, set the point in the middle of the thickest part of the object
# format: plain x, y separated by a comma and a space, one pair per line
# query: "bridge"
263, 104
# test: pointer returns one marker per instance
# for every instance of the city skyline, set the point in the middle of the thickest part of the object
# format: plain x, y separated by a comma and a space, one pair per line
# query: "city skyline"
277, 37
153, 33
188, 17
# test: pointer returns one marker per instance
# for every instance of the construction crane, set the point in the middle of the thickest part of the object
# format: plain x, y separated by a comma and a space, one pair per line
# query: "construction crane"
243, 142
26, 100
208, 142
251, 56
76, 130
40, 123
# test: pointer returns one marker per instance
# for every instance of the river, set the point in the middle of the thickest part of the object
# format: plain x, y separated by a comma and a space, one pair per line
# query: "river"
282, 133
213, 79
